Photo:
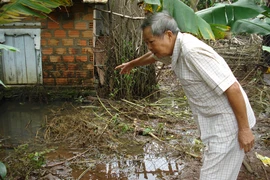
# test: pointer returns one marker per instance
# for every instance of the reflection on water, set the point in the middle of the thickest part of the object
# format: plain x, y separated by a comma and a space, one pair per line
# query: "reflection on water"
150, 166
19, 122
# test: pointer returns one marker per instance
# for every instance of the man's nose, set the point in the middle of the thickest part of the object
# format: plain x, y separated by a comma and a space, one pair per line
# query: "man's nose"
149, 47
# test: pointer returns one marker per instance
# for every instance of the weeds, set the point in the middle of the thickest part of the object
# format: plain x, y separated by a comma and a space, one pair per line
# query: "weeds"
23, 163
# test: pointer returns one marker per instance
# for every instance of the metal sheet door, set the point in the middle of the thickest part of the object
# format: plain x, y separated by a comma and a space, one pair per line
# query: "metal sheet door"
23, 67
20, 67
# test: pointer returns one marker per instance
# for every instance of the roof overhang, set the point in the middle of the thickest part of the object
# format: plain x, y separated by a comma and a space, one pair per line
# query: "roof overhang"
95, 1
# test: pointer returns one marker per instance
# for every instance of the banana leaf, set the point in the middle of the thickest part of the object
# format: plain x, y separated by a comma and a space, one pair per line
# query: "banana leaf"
153, 2
185, 17
220, 31
37, 6
16, 10
242, 16
50, 3
254, 26
227, 14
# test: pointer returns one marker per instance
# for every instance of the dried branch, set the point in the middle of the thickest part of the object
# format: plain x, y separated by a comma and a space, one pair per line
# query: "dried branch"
121, 15
84, 172
248, 167
134, 104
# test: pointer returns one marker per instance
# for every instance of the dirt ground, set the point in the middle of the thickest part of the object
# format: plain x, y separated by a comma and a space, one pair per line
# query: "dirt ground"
134, 140
167, 123
252, 168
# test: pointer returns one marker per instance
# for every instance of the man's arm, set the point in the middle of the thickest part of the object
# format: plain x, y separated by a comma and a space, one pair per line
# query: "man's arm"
237, 102
140, 61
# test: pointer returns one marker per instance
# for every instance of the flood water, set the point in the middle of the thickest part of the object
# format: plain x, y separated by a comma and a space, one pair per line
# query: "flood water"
150, 165
20, 122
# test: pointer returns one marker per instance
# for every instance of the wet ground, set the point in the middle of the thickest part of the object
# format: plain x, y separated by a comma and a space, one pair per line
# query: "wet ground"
21, 123
136, 142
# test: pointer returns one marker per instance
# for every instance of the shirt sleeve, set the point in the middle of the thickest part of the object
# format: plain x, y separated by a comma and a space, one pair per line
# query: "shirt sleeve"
211, 68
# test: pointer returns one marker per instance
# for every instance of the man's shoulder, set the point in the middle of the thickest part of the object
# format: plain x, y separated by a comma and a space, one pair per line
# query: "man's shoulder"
192, 42
187, 37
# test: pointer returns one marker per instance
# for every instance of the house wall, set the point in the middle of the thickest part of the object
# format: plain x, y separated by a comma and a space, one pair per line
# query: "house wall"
66, 43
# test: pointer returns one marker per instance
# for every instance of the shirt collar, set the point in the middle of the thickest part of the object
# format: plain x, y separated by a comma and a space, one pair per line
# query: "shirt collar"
176, 49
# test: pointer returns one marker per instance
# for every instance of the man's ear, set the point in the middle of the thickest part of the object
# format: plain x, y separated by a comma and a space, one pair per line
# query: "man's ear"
169, 33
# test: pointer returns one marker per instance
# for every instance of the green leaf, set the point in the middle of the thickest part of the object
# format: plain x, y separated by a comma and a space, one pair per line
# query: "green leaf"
213, 15
16, 10
220, 31
187, 20
156, 2
37, 6
147, 130
241, 16
8, 48
266, 48
250, 6
49, 3
255, 26
3, 170
183, 17
23, 10
227, 14
205, 30
2, 84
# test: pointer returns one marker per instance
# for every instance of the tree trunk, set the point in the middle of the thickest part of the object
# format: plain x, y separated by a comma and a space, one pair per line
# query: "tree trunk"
122, 42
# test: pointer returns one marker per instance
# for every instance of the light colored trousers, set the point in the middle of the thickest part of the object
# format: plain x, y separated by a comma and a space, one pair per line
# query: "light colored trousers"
222, 161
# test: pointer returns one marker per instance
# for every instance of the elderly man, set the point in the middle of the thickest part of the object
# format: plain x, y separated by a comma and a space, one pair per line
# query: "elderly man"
217, 100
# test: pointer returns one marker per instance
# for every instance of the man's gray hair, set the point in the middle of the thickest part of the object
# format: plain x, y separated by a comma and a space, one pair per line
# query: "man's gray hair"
160, 22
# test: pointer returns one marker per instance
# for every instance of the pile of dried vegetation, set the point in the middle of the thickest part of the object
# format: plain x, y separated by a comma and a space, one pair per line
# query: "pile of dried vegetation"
105, 123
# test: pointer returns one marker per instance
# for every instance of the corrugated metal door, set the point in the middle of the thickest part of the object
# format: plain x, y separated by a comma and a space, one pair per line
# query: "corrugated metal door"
24, 67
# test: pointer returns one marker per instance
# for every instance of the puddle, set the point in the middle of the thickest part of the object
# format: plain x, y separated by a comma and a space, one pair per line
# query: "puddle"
149, 166
20, 122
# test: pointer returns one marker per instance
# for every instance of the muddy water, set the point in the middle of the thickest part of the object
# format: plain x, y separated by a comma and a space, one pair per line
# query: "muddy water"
150, 165
20, 122
145, 163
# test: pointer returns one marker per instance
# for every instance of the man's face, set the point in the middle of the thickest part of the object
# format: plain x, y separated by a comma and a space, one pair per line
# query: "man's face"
159, 46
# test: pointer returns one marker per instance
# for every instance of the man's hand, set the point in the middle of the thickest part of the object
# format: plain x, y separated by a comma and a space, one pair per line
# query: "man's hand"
125, 68
236, 99
246, 139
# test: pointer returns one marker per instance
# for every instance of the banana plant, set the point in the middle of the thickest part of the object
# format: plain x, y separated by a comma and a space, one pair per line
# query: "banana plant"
16, 10
185, 17
243, 16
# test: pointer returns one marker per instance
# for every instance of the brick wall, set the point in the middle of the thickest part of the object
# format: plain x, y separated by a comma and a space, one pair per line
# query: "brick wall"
66, 41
